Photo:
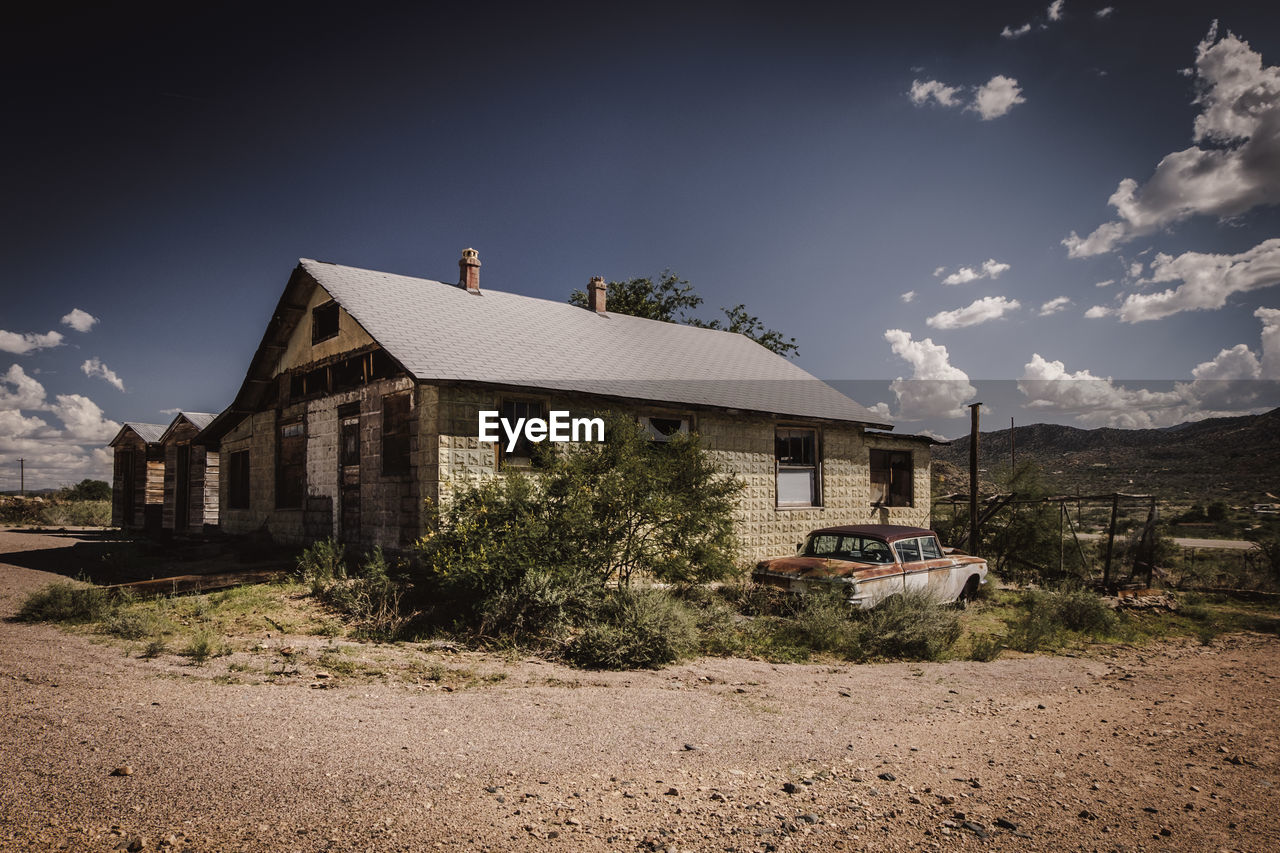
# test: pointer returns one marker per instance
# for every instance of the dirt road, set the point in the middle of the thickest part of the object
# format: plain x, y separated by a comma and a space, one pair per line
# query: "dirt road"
1162, 748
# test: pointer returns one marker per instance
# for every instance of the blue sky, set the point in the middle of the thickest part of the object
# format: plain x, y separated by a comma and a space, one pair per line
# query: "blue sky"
164, 169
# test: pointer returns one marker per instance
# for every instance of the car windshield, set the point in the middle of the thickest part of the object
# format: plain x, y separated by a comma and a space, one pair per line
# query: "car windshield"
843, 546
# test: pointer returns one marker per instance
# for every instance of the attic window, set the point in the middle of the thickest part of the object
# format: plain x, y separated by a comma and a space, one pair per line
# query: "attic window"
324, 322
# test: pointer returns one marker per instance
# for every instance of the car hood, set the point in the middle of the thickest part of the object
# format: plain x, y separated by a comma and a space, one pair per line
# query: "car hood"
819, 567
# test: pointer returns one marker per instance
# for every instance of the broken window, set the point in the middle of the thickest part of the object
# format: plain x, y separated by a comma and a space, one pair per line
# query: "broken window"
662, 429
238, 480
892, 478
324, 322
796, 460
291, 465
395, 433
512, 412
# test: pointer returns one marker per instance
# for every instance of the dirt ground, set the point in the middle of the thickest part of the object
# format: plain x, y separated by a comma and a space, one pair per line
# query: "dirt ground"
1167, 747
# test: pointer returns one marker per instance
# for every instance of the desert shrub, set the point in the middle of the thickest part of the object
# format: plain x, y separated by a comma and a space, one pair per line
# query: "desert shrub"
542, 605
204, 645
635, 629
822, 623
371, 598
132, 624
1050, 616
986, 647
910, 626
63, 601
323, 562
20, 510
82, 513
156, 647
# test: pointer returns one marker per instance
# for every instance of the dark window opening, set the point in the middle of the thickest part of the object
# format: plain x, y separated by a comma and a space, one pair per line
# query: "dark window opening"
349, 373
324, 322
796, 459
395, 434
291, 464
343, 375
238, 480
512, 411
892, 478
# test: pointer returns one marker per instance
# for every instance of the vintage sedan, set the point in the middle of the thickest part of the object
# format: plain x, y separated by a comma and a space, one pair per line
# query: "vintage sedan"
871, 562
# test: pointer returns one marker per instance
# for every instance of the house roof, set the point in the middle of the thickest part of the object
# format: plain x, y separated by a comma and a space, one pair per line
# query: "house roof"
442, 332
199, 420
150, 433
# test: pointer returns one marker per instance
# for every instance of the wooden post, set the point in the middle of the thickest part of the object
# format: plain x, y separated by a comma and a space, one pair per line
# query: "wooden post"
1062, 543
1013, 460
1111, 538
973, 478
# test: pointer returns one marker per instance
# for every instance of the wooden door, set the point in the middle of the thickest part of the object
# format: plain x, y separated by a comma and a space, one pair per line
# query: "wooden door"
349, 478
182, 490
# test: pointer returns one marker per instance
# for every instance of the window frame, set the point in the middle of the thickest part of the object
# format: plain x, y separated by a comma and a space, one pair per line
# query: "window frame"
514, 458
239, 489
815, 467
890, 494
397, 450
317, 335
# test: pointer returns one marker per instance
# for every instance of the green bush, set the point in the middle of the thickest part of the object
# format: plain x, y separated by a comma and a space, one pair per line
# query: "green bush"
910, 626
63, 601
822, 623
82, 513
371, 598
1050, 616
132, 625
635, 629
322, 563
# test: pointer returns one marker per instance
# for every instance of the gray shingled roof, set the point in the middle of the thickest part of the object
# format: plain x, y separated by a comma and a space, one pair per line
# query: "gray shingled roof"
441, 332
150, 433
199, 420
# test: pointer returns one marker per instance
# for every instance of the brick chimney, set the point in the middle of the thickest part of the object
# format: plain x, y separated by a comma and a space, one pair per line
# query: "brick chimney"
469, 271
596, 294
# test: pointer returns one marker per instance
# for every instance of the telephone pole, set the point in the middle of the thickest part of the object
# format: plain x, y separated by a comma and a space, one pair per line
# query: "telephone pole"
22, 477
973, 479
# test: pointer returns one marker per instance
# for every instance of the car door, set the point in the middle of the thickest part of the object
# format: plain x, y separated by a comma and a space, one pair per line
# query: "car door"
915, 573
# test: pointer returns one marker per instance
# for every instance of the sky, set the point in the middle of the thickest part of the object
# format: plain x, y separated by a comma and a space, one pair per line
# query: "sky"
1068, 212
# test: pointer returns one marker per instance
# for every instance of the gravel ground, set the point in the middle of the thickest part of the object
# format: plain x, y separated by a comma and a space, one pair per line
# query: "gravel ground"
1168, 747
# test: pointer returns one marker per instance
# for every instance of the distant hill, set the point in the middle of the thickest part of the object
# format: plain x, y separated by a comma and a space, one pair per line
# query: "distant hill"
1236, 460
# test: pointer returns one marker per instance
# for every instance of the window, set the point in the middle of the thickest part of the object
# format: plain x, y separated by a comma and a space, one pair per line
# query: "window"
324, 322
908, 550
238, 480
891, 477
291, 464
395, 434
796, 458
662, 429
834, 546
512, 411
929, 549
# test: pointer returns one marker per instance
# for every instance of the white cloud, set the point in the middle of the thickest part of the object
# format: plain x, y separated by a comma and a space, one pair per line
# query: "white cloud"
13, 424
996, 97
1206, 281
83, 418
908, 296
1135, 269
939, 271
1106, 283
81, 321
1053, 306
936, 387
1105, 12
1011, 33
990, 268
978, 311
1097, 312
922, 91
1234, 167
1055, 10
1270, 361
1097, 401
27, 393
21, 343
95, 367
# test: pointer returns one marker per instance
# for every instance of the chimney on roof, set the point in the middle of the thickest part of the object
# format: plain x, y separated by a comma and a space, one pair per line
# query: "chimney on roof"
596, 294
469, 271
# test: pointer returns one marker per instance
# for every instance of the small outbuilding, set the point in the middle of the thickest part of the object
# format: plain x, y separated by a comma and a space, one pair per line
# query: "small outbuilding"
190, 486
137, 482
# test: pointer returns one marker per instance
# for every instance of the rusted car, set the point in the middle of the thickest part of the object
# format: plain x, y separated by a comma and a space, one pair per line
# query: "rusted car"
870, 562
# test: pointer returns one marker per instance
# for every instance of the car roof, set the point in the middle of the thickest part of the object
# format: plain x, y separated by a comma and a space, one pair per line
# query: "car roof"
887, 532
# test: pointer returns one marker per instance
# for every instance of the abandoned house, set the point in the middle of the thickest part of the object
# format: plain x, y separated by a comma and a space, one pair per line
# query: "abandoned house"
360, 408
137, 480
190, 477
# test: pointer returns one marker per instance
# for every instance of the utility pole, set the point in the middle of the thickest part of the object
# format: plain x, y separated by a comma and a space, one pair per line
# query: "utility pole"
22, 477
1013, 460
973, 478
